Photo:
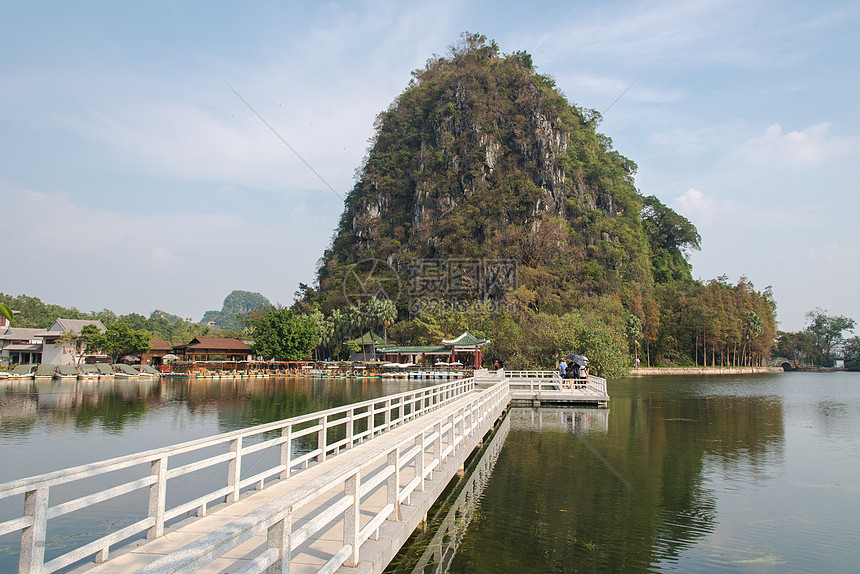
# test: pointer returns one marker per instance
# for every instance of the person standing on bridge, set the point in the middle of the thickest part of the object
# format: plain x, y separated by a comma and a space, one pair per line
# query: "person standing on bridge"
562, 368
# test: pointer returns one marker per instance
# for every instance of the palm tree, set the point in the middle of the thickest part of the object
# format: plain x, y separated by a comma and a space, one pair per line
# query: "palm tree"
387, 316
339, 328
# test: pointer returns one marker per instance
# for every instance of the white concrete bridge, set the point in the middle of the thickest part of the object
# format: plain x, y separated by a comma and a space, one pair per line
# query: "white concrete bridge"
349, 486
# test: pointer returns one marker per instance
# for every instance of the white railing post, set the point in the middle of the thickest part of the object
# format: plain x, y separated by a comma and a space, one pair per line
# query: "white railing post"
451, 432
157, 496
371, 416
387, 415
419, 462
286, 449
437, 446
401, 413
350, 429
234, 469
278, 536
351, 518
321, 438
394, 483
33, 537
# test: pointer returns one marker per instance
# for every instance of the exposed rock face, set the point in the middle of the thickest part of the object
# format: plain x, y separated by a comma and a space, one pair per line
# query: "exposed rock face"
482, 157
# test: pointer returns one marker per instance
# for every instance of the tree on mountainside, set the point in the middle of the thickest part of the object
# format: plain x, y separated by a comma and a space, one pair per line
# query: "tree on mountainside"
670, 236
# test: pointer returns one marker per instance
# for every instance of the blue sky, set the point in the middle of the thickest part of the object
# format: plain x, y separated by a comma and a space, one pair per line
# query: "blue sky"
132, 177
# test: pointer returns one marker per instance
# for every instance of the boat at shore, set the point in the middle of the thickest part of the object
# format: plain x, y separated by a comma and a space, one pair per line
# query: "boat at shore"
45, 372
89, 372
105, 372
122, 371
22, 372
66, 372
147, 372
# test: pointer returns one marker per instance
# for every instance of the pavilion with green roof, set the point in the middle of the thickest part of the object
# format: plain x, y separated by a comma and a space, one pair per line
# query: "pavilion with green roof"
418, 354
367, 345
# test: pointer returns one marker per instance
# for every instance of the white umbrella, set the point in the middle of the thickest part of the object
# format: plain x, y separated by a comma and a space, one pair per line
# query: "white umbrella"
169, 357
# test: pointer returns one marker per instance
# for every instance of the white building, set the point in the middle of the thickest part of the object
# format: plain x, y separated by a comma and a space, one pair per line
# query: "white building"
24, 346
64, 354
20, 345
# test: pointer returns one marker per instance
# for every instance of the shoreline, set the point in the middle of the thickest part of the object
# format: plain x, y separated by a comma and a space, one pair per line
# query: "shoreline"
646, 371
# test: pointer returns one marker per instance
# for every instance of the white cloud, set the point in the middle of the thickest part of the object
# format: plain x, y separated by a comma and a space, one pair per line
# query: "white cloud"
697, 206
811, 147
605, 88
724, 217
749, 34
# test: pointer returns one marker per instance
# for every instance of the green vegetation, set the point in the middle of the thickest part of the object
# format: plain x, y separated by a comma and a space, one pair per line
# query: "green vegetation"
121, 339
33, 313
283, 334
821, 341
6, 312
669, 235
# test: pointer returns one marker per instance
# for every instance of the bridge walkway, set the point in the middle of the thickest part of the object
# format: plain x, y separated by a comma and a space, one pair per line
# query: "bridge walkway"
428, 451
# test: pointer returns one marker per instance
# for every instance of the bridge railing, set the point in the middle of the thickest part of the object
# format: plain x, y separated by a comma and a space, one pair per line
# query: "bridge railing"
597, 384
324, 433
397, 456
537, 381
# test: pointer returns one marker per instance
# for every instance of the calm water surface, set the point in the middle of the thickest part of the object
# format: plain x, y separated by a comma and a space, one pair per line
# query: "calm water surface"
54, 425
689, 474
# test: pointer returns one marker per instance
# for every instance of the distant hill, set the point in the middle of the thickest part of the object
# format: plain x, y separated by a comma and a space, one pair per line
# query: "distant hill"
169, 317
236, 305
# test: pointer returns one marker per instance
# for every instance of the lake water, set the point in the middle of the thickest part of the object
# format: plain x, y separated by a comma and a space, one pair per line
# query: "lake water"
691, 474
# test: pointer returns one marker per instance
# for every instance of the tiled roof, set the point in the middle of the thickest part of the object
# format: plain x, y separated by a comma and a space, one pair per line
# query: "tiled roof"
157, 345
22, 334
24, 347
76, 325
415, 349
212, 343
369, 338
466, 339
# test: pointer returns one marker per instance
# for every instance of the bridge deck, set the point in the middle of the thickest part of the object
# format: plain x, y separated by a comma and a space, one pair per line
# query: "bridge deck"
312, 554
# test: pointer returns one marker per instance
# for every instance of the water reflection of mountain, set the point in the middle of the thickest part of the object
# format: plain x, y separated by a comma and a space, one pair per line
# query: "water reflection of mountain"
578, 489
